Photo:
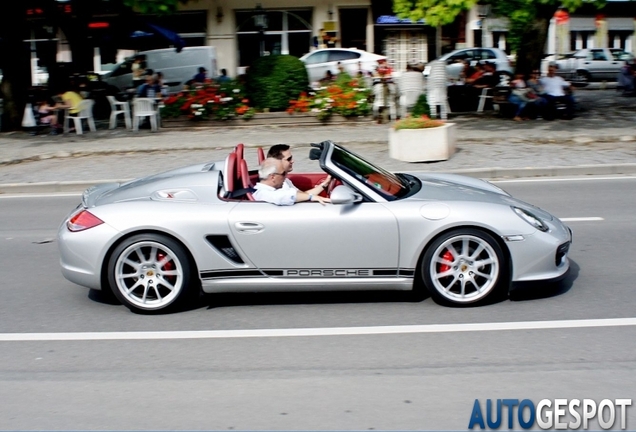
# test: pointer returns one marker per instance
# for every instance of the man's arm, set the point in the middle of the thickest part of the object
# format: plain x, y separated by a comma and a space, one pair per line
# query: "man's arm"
304, 196
320, 187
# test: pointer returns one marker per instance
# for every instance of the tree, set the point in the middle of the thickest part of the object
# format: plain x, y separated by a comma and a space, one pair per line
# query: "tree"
528, 20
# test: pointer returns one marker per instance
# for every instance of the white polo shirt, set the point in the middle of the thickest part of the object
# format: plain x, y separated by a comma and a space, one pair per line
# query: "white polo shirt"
284, 196
554, 85
288, 184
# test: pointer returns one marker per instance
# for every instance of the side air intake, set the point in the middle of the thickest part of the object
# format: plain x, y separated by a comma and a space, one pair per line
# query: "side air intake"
223, 245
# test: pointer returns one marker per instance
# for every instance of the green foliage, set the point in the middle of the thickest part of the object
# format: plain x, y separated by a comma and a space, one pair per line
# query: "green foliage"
272, 81
421, 107
433, 12
423, 122
160, 7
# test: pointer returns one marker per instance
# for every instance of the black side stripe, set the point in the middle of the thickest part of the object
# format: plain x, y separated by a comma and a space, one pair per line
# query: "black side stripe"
244, 273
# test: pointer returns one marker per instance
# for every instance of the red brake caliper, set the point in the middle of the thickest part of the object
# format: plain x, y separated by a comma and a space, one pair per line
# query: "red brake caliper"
448, 256
166, 267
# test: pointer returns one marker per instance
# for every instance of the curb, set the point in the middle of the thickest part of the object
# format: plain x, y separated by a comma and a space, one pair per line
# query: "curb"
495, 173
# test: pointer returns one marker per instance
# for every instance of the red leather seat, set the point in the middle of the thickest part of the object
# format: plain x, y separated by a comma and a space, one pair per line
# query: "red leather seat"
245, 178
261, 155
229, 175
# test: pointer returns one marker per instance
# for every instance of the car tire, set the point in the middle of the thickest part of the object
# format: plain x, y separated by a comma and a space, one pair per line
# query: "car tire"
465, 267
151, 273
582, 77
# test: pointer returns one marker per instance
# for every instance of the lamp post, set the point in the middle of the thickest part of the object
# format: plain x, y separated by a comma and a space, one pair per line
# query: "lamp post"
483, 11
260, 22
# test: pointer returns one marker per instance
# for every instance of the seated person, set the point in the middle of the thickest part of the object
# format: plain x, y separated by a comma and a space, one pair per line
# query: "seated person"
150, 89
270, 188
554, 88
283, 153
488, 78
46, 115
71, 99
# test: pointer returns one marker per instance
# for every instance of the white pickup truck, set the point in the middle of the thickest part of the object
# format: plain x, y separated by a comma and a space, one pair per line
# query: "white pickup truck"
592, 64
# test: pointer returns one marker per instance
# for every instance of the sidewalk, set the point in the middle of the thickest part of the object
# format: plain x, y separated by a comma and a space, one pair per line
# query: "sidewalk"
600, 140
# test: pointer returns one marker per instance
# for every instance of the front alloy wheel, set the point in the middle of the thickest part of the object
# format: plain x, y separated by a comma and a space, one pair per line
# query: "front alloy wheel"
150, 273
464, 267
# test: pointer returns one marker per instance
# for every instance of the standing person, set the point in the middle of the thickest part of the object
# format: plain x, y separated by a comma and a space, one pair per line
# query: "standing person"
137, 72
271, 190
555, 89
282, 152
201, 76
162, 85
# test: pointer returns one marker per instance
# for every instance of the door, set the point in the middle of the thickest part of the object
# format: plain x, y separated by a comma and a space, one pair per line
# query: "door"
317, 65
598, 64
348, 60
312, 236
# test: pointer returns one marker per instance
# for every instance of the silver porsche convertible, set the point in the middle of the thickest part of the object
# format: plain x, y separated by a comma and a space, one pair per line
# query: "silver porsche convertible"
155, 243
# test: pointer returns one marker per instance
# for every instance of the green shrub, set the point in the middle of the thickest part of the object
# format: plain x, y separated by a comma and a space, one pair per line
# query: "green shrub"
272, 81
421, 107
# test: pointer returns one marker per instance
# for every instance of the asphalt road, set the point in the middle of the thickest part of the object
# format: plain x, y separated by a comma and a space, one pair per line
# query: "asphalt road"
424, 380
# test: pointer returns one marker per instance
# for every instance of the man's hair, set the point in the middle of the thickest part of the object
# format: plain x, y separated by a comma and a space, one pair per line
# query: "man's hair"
269, 166
277, 150
202, 69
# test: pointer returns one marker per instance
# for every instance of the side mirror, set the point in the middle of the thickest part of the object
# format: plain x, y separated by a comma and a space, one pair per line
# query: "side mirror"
315, 153
344, 195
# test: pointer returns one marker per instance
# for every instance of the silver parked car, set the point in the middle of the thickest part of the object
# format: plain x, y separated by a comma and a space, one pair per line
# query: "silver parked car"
320, 61
157, 241
593, 64
455, 59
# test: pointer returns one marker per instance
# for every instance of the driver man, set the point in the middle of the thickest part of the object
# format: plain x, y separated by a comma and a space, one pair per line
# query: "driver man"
270, 188
283, 153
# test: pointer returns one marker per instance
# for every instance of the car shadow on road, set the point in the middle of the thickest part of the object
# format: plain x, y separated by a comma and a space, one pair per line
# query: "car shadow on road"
523, 291
213, 301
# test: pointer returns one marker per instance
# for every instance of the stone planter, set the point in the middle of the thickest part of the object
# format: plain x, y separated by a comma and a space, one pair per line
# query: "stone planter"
422, 145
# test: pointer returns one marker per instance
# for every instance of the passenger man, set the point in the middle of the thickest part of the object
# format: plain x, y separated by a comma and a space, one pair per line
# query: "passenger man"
283, 153
270, 188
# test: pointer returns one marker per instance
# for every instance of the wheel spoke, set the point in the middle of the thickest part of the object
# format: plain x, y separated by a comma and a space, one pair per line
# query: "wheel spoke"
153, 254
483, 263
465, 247
477, 251
483, 275
141, 257
463, 284
441, 260
155, 287
132, 264
143, 298
165, 260
169, 273
167, 285
132, 288
444, 274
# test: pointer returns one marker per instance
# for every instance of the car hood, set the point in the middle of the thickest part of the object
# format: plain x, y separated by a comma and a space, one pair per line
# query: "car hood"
199, 180
452, 187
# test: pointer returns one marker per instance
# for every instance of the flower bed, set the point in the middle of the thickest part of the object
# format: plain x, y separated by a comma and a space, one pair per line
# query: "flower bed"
209, 100
345, 96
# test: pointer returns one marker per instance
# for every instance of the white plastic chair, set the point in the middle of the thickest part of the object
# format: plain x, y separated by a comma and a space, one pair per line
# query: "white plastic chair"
486, 93
144, 107
85, 112
411, 86
116, 108
437, 91
379, 100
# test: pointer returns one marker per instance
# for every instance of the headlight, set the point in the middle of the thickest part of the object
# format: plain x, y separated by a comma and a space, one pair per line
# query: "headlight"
531, 219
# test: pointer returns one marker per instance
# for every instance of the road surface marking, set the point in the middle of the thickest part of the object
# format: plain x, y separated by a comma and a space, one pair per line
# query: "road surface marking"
552, 179
581, 219
328, 331
49, 195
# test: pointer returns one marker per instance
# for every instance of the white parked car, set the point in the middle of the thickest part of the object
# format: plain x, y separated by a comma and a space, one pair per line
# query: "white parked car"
587, 64
454, 60
320, 61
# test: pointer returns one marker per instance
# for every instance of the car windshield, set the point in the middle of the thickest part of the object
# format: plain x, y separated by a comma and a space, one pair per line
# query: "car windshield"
385, 183
621, 55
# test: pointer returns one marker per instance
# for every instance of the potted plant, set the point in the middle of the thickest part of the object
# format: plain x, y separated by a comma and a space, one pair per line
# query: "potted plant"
421, 139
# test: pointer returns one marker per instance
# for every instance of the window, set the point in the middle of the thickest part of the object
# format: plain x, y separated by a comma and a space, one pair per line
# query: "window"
124, 68
319, 57
343, 55
487, 55
598, 55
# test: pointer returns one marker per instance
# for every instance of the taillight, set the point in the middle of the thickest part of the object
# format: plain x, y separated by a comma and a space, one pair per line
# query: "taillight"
83, 221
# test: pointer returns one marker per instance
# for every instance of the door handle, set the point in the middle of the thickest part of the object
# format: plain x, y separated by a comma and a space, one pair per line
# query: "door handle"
249, 227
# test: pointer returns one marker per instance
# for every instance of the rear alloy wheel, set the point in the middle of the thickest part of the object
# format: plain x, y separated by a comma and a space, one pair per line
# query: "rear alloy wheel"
463, 267
150, 272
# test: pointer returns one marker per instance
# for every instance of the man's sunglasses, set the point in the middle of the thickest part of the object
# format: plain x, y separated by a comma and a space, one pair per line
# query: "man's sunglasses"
289, 159
284, 173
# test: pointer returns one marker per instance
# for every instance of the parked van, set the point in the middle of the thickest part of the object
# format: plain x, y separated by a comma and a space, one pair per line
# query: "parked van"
177, 68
